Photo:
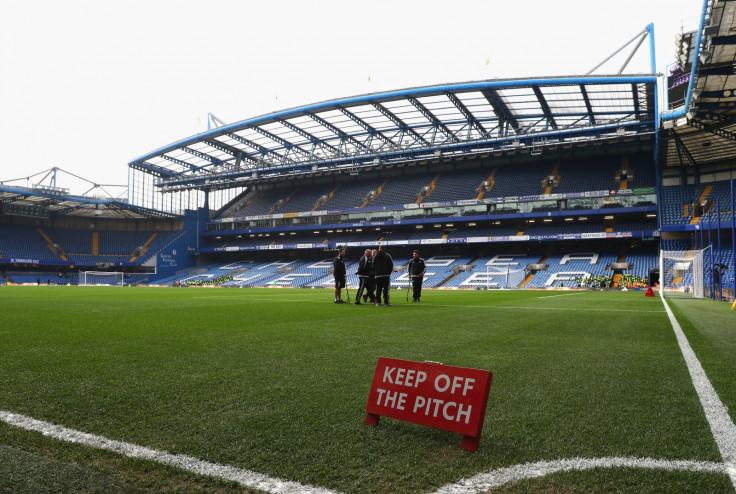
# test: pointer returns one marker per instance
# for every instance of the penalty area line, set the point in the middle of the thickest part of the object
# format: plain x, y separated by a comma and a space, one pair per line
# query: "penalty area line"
246, 478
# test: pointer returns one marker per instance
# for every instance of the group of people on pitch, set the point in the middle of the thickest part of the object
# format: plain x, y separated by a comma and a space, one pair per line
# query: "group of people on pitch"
374, 272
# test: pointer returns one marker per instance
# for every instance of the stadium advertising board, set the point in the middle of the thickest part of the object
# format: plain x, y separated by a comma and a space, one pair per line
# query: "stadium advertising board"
432, 394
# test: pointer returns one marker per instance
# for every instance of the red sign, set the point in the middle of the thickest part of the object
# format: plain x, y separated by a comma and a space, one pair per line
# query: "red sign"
427, 393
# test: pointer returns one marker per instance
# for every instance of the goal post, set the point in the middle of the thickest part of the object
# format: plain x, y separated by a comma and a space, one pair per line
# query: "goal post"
499, 276
115, 278
682, 273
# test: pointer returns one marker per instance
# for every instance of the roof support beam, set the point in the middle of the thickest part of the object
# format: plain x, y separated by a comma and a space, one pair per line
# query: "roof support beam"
435, 122
314, 140
588, 106
235, 152
289, 146
466, 113
371, 131
712, 129
681, 148
400, 123
279, 159
203, 156
635, 99
500, 109
545, 107
344, 138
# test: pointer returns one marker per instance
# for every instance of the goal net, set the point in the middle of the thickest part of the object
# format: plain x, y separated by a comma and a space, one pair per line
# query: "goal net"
682, 273
101, 278
503, 277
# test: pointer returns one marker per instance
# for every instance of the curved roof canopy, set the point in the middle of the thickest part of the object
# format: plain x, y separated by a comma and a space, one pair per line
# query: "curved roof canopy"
376, 130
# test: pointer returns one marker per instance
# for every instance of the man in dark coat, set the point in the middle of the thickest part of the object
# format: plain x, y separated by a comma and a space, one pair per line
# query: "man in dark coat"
340, 274
383, 266
364, 273
416, 270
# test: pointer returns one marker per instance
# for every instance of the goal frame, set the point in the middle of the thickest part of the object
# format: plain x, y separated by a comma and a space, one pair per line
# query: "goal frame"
690, 267
85, 275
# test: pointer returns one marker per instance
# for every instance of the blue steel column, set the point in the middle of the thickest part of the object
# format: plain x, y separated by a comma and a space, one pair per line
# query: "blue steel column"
673, 115
658, 178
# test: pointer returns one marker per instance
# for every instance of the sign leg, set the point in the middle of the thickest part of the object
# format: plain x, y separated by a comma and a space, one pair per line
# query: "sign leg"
470, 443
371, 419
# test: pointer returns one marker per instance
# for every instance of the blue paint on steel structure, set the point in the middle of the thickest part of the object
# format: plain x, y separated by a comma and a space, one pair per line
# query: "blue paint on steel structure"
675, 114
422, 149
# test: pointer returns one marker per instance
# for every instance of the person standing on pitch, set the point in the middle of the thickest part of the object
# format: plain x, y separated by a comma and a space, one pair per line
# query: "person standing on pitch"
416, 271
340, 274
384, 266
363, 272
371, 284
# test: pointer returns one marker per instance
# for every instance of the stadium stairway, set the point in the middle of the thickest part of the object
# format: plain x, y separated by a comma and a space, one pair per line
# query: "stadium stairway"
370, 197
426, 191
455, 272
554, 183
530, 276
327, 199
59, 252
482, 190
139, 253
703, 196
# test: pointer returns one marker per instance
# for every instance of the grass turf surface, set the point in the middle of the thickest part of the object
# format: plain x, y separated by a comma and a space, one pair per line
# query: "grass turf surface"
276, 381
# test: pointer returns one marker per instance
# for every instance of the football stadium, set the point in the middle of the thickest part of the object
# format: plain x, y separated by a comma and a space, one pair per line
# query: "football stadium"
578, 240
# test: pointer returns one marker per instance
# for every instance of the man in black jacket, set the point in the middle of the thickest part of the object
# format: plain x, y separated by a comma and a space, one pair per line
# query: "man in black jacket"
364, 273
416, 271
383, 266
340, 275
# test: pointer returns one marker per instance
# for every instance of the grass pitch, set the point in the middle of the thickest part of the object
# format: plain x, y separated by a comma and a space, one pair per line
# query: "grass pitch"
276, 381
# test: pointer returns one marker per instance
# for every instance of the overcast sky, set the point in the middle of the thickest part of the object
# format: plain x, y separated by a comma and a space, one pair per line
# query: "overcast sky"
88, 86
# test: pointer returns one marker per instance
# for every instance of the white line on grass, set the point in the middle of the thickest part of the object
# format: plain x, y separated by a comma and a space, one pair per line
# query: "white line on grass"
244, 477
563, 295
721, 425
497, 307
495, 478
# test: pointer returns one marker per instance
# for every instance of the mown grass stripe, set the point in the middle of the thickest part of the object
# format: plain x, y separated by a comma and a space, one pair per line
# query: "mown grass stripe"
243, 477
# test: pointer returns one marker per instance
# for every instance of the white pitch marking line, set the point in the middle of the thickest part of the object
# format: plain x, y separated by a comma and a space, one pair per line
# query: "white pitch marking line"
495, 478
563, 295
244, 477
721, 425
564, 309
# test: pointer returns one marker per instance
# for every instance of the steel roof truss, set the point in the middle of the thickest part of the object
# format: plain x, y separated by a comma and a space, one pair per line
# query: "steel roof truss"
235, 152
712, 129
371, 131
681, 148
289, 146
435, 122
501, 110
203, 156
344, 138
316, 143
400, 123
472, 122
588, 107
545, 106
263, 152
181, 163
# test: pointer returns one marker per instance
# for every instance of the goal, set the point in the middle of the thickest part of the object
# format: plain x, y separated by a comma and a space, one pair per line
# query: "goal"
682, 272
498, 276
101, 278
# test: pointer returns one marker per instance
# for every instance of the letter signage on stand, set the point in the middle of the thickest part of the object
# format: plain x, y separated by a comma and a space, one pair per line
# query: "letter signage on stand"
432, 394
